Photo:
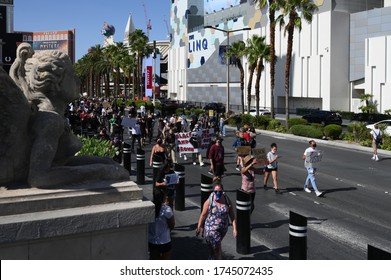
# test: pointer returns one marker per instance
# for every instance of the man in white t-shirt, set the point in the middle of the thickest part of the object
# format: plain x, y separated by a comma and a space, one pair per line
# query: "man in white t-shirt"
311, 158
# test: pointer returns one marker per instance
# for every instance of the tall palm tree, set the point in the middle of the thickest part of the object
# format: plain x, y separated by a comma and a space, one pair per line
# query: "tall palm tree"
252, 59
116, 54
138, 42
237, 51
273, 7
81, 71
259, 51
127, 64
294, 11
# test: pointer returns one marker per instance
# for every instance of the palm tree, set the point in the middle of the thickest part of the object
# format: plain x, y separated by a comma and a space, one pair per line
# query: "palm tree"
138, 42
294, 10
116, 53
127, 64
273, 7
257, 51
237, 51
252, 59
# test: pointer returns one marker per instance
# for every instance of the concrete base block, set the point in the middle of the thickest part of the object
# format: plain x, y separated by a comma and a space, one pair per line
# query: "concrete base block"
104, 220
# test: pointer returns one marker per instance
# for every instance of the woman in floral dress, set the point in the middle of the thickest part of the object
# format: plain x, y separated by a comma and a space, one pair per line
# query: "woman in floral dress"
214, 219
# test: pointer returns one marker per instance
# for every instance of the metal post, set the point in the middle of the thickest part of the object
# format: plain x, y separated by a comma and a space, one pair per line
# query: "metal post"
297, 236
377, 254
127, 157
243, 213
180, 187
227, 58
227, 61
157, 164
140, 166
206, 188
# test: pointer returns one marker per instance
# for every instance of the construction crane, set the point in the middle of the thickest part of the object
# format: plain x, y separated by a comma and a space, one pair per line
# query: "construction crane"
168, 29
148, 20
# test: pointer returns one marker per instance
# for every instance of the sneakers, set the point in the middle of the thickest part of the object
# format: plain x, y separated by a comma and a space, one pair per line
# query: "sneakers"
184, 157
202, 164
307, 190
373, 158
194, 163
237, 168
210, 172
318, 194
376, 158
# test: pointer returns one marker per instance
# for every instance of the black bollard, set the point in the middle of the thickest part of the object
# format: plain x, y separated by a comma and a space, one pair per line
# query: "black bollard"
157, 164
126, 157
206, 188
243, 222
297, 236
180, 187
140, 156
377, 254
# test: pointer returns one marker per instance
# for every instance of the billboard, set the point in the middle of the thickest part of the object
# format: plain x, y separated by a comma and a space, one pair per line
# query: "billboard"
62, 40
149, 75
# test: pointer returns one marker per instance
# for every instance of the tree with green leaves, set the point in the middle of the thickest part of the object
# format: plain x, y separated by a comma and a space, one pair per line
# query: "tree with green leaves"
273, 7
370, 106
138, 42
257, 51
237, 51
293, 11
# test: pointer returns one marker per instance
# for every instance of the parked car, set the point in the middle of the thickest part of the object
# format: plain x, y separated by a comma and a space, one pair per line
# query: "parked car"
186, 105
381, 123
323, 117
218, 107
262, 112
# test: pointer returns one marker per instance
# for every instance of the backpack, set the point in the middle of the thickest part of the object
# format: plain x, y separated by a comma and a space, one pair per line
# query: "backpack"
378, 137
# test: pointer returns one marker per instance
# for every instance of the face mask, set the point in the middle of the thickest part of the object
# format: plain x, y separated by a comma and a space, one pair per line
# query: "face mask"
218, 195
314, 145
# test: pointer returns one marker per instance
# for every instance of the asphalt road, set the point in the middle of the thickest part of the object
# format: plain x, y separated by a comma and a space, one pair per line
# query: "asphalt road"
354, 211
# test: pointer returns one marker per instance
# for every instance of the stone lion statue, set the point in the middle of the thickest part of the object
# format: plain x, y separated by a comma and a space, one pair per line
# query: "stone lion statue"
36, 145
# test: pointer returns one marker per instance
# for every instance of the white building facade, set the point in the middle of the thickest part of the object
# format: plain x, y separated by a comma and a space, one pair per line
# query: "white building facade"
344, 52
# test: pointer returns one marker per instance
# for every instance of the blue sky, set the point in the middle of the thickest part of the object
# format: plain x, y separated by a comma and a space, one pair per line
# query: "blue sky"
88, 16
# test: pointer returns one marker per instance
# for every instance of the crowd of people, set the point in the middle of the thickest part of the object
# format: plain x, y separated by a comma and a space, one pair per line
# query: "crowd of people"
103, 119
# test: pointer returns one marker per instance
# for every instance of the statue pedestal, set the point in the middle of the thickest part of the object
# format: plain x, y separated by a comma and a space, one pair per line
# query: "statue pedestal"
99, 220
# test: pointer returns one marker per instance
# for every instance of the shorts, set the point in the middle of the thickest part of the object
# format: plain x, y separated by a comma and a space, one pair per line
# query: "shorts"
161, 248
219, 170
270, 169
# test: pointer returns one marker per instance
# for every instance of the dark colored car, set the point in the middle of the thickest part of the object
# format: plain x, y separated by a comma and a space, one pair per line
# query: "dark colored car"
323, 117
218, 107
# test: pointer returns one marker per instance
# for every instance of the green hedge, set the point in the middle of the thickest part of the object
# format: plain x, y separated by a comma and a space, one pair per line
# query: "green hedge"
296, 121
306, 130
261, 121
96, 147
332, 131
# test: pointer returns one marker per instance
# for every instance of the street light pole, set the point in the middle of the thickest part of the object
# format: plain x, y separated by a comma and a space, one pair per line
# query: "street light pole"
227, 58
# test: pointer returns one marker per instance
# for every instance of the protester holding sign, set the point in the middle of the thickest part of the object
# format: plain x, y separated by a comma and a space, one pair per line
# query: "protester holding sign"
311, 158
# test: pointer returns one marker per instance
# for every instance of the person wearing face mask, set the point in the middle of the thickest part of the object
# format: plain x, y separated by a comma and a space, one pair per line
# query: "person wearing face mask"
214, 219
311, 158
